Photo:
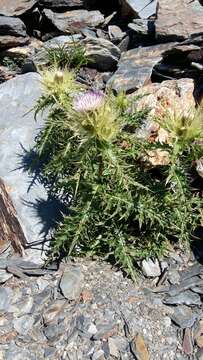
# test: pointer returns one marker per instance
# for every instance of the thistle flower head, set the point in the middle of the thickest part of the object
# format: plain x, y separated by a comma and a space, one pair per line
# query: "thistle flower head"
89, 101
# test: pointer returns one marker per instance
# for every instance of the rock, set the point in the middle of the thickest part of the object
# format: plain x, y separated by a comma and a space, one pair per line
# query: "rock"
42, 283
115, 33
183, 316
12, 26
184, 298
157, 157
4, 276
23, 324
105, 331
102, 54
22, 307
61, 4
185, 285
51, 314
71, 283
12, 32
135, 67
54, 332
17, 132
75, 20
5, 298
198, 334
199, 354
139, 8
187, 342
98, 355
142, 28
7, 41
180, 21
151, 268
139, 349
16, 7
164, 97
113, 349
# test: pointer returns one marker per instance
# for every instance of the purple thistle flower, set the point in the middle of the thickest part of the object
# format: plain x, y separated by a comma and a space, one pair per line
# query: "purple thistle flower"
88, 101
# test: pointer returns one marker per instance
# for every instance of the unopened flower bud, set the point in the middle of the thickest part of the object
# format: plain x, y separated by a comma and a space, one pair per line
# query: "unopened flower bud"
58, 76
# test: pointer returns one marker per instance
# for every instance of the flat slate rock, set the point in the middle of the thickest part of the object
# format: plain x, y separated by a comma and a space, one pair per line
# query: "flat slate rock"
75, 20
135, 67
17, 132
16, 7
179, 21
61, 4
140, 8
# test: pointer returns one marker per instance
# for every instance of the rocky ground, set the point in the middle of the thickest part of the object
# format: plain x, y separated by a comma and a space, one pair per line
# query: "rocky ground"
87, 309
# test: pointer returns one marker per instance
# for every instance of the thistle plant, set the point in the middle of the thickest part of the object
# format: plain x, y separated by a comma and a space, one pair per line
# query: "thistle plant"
118, 208
67, 56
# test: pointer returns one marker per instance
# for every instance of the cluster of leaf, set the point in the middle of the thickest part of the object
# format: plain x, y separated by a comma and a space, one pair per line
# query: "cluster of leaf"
68, 56
118, 208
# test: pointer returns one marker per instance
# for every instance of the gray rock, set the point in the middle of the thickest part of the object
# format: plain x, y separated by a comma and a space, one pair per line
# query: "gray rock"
151, 268
139, 8
115, 33
173, 276
22, 307
51, 314
12, 32
185, 285
19, 354
135, 67
75, 20
54, 332
23, 324
61, 40
183, 316
180, 21
102, 54
71, 283
104, 331
98, 355
12, 26
5, 298
4, 276
42, 298
199, 354
16, 7
185, 298
42, 283
61, 4
17, 132
140, 27
113, 348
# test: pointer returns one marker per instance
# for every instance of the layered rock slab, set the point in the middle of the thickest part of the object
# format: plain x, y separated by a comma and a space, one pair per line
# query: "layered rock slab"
17, 132
135, 67
75, 20
16, 7
180, 21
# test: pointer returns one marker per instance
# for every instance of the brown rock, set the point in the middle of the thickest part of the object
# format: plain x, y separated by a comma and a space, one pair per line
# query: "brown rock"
139, 348
135, 67
187, 342
179, 20
75, 20
16, 7
167, 96
198, 335
157, 157
7, 41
